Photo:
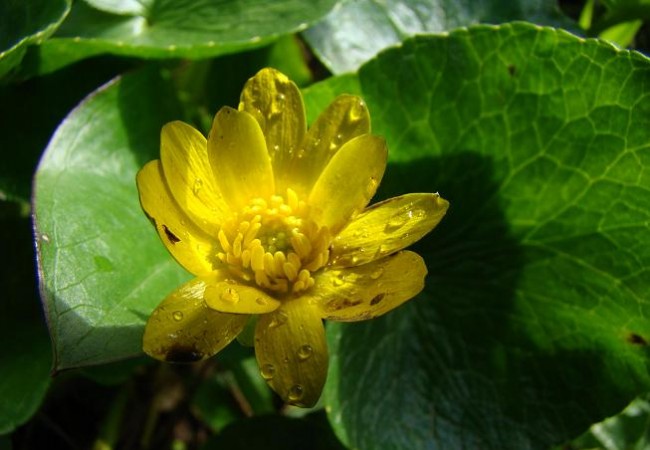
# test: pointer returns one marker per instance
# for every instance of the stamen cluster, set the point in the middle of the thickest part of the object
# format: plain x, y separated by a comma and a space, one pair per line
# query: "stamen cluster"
273, 243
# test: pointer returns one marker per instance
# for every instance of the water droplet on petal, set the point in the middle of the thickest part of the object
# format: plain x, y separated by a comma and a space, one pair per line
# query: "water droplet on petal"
177, 316
230, 295
279, 319
296, 393
261, 301
267, 371
305, 352
198, 184
377, 273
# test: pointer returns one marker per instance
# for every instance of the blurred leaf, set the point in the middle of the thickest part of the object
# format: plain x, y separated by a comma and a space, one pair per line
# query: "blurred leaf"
276, 433
26, 22
619, 12
102, 269
30, 112
629, 430
534, 322
26, 355
214, 404
622, 34
359, 29
178, 29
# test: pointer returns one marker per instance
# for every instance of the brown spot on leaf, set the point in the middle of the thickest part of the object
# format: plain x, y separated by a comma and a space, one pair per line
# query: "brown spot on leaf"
171, 236
376, 299
635, 339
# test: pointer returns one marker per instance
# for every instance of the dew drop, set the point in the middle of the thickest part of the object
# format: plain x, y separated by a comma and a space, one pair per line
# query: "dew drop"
397, 221
279, 319
276, 148
177, 316
261, 301
267, 371
300, 154
230, 295
296, 393
45, 237
281, 97
198, 184
377, 273
305, 352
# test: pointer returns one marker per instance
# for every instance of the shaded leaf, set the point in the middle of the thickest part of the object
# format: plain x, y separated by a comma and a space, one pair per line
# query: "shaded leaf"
25, 354
30, 112
24, 23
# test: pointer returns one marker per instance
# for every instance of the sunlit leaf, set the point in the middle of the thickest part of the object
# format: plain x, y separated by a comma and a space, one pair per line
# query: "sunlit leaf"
177, 28
534, 322
359, 29
102, 269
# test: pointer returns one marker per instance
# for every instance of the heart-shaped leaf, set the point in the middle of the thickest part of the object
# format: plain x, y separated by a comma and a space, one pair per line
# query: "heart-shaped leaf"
534, 322
102, 269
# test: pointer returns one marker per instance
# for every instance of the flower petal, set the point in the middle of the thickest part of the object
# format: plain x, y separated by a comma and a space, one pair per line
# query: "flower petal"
225, 295
240, 162
188, 244
364, 292
345, 118
348, 182
184, 329
184, 156
292, 353
276, 103
387, 227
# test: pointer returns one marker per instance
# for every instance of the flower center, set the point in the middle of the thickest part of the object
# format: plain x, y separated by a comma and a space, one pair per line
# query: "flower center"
273, 243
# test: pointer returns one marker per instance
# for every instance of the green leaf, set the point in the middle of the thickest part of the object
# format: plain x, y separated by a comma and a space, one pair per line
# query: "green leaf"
534, 322
359, 29
178, 28
26, 355
102, 269
26, 22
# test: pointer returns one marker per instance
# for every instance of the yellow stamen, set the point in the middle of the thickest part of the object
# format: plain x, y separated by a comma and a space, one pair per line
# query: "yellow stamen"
274, 243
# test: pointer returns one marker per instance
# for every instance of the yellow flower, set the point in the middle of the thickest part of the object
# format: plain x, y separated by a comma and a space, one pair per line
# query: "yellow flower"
270, 218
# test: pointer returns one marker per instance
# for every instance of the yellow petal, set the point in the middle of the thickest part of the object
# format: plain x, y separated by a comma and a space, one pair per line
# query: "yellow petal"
348, 182
364, 292
387, 227
345, 118
240, 162
188, 244
276, 103
225, 295
184, 329
184, 156
292, 353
